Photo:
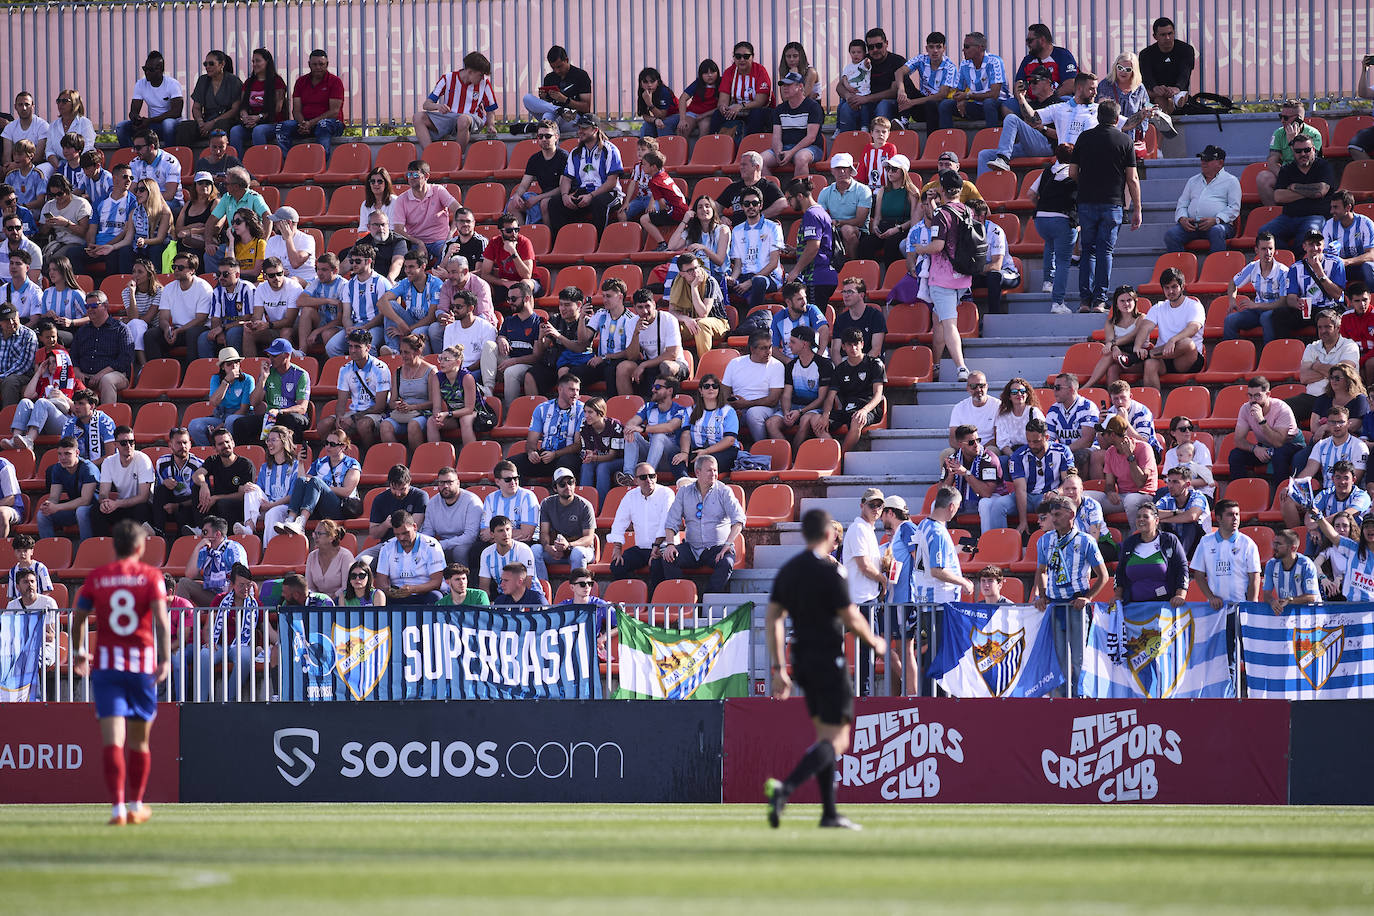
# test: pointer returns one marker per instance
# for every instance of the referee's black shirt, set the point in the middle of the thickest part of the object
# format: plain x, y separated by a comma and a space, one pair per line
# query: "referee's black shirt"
814, 592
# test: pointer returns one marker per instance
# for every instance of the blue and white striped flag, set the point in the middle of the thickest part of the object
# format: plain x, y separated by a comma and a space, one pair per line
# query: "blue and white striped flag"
995, 650
21, 656
1156, 650
1309, 653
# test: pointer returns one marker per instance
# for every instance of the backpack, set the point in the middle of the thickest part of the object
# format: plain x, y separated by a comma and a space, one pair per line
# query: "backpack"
1204, 103
967, 242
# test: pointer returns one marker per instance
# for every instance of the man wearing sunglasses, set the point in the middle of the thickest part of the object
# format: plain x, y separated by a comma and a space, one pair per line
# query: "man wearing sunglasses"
126, 479
567, 527
864, 573
856, 112
424, 213
512, 501
1042, 52
544, 168
653, 431
711, 518
151, 161
642, 511
508, 261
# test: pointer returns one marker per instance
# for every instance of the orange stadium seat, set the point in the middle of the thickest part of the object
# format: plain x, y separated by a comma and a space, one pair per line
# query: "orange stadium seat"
770, 504
476, 459
539, 236
674, 150
486, 200
1230, 361
303, 162
1252, 493
675, 592
1184, 261
618, 242
153, 420
632, 275
853, 142
379, 459
996, 187
484, 160
986, 138
1226, 409
946, 139
1253, 222
1249, 188
344, 238
517, 422
627, 591
753, 143
344, 206
1079, 360
1010, 224
909, 366
606, 516
307, 200
430, 458
1346, 129
1280, 359
155, 380
906, 323
817, 458
871, 272
713, 155
396, 157
997, 547
348, 164
1191, 401
583, 276
624, 406
284, 553
91, 554
1217, 272
1358, 179
518, 158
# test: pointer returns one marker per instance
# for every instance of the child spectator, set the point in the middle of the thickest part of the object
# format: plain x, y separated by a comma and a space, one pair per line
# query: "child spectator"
95, 182
698, 101
69, 165
635, 189
656, 104
669, 207
880, 149
27, 180
857, 72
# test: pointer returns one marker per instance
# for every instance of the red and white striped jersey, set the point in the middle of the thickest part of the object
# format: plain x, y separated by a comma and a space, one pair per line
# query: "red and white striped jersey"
871, 165
122, 597
743, 85
462, 98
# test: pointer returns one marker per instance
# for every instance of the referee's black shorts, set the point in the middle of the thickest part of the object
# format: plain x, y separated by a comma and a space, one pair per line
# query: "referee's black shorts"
828, 687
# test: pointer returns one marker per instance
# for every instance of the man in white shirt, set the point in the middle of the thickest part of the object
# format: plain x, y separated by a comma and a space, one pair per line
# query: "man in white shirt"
295, 248
274, 308
656, 351
1329, 349
864, 572
410, 566
126, 480
642, 511
26, 126
161, 95
753, 383
977, 410
467, 329
183, 308
1209, 205
1179, 319
1226, 564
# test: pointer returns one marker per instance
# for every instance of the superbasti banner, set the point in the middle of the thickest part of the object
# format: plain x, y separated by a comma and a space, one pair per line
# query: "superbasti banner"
422, 652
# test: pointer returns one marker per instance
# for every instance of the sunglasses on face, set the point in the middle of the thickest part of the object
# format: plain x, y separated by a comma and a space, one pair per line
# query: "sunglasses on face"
977, 386
711, 385
357, 575
874, 504
511, 479
582, 584
1018, 391
742, 56
1184, 429
124, 442
565, 482
272, 275
332, 444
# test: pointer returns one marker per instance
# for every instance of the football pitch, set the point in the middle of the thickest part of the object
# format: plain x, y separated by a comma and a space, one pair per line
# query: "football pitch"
381, 859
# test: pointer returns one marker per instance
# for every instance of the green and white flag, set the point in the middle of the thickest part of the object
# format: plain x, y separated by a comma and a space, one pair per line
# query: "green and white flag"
706, 663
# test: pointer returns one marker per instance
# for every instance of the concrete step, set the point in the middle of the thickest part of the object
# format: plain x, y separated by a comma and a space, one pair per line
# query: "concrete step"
882, 462
1016, 325
1003, 368
916, 440
906, 488
771, 556
918, 418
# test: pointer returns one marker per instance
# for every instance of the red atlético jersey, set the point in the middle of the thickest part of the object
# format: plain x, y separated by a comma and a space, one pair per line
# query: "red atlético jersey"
1360, 328
121, 595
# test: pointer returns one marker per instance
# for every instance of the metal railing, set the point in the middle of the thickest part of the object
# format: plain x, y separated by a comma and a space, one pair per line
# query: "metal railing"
390, 52
230, 671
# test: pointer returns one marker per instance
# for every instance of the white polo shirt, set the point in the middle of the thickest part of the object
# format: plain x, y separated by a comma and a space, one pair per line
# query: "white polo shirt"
860, 541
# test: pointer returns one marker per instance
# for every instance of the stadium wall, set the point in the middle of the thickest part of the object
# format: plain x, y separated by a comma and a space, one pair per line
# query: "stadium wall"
904, 750
390, 52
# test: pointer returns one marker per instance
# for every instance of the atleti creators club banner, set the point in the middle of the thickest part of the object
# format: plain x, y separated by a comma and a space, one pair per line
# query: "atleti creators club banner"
576, 751
438, 653
1000, 751
50, 753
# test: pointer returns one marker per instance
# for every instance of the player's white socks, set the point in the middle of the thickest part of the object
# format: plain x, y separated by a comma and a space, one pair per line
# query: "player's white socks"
135, 806
117, 811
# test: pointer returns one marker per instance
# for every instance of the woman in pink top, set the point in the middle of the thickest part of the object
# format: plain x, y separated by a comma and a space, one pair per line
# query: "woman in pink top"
326, 569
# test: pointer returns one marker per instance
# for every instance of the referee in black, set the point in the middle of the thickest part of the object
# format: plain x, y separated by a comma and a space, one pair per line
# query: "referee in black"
811, 588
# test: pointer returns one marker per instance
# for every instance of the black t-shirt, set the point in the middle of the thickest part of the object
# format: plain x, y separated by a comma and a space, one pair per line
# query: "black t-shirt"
574, 84
1103, 154
225, 163
394, 247
224, 479
568, 329
869, 323
386, 503
471, 249
1290, 174
814, 592
1174, 70
806, 381
547, 171
730, 198
853, 385
884, 72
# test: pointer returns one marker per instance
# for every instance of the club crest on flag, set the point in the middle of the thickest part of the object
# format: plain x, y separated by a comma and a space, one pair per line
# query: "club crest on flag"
1159, 654
681, 667
998, 657
1317, 651
314, 654
363, 656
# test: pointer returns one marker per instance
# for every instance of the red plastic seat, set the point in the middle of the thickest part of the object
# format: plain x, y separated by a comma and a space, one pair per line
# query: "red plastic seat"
155, 380
397, 156
1358, 179
1280, 360
770, 504
1184, 261
986, 138
618, 242
348, 164
946, 139
485, 158
476, 459
712, 155
445, 158
486, 200
283, 554
517, 422
307, 200
344, 206
380, 459
1191, 401
519, 157
996, 187
1226, 409
997, 547
152, 422
303, 162
430, 458
1217, 272
263, 161
1252, 493
1079, 360
817, 458
1231, 361
909, 366
908, 323
779, 452
1257, 218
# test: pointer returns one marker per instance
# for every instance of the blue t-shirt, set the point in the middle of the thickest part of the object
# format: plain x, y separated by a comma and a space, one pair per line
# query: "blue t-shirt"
72, 481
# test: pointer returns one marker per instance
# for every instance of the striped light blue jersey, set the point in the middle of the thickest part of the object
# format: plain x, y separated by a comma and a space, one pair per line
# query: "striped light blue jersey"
1328, 451
65, 303
1358, 584
95, 189
276, 480
613, 335
1089, 516
168, 469
753, 245
1349, 241
417, 304
361, 298
1069, 561
1301, 283
1066, 423
491, 562
556, 426
1328, 503
714, 425
1194, 500
521, 509
783, 323
111, 217
366, 385
1269, 287
981, 78
1300, 579
39, 570
928, 78
919, 548
589, 168
1142, 420
335, 474
334, 289
1041, 473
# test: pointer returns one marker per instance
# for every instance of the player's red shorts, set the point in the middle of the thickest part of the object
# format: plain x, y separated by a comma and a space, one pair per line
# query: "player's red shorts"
126, 694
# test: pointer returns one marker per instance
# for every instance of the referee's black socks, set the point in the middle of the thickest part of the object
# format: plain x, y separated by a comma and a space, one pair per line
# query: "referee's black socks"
818, 761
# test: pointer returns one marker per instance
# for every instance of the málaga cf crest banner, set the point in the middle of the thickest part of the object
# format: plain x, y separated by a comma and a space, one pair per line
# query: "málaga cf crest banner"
1156, 650
705, 663
21, 656
1309, 652
996, 650
440, 653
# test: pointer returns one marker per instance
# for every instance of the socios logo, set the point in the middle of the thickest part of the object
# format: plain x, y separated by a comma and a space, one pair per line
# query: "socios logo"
289, 745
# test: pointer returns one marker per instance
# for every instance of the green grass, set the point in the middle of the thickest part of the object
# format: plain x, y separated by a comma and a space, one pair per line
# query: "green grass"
200, 859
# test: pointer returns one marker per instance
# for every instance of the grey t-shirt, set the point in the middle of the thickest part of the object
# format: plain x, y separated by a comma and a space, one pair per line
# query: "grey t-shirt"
571, 521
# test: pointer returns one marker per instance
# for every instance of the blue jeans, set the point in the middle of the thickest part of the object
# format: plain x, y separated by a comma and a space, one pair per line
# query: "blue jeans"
233, 337
758, 290
1176, 238
201, 427
534, 213
992, 111
995, 511
48, 525
578, 558
314, 496
324, 135
1289, 230
636, 207
600, 474
667, 130
1100, 223
1250, 318
850, 118
655, 450
166, 130
240, 137
40, 414
1018, 139
1059, 236
543, 110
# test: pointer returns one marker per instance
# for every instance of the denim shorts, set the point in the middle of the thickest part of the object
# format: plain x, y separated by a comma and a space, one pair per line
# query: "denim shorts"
945, 302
